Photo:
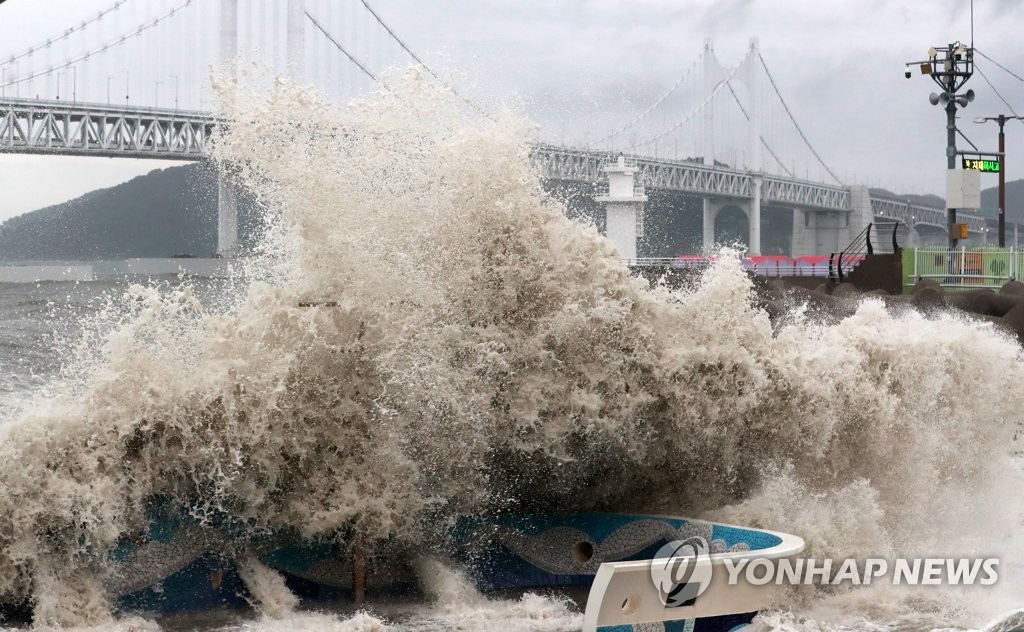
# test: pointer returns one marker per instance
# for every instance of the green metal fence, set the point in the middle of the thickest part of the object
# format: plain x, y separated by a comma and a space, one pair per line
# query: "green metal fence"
963, 268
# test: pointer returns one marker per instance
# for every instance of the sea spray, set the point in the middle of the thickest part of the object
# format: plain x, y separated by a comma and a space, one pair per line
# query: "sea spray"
267, 587
455, 604
427, 336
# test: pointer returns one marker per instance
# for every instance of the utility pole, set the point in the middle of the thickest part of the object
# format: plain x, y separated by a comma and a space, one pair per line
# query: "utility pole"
1001, 120
950, 67
1002, 183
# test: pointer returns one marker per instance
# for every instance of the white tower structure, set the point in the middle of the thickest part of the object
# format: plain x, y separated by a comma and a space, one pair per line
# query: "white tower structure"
624, 205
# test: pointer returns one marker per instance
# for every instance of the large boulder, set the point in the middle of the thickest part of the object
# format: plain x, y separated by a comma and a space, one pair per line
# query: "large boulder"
1014, 288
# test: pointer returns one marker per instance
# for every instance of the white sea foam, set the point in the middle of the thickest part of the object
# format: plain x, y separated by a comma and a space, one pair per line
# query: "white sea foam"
483, 352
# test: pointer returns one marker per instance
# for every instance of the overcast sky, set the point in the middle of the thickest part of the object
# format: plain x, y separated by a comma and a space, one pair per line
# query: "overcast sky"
582, 68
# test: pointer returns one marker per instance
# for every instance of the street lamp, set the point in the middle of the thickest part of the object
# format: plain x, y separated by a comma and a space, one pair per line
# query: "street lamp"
175, 77
58, 85
950, 67
126, 88
1001, 119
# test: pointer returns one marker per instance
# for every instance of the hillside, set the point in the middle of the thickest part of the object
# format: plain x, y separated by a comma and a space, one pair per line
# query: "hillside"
989, 199
164, 213
1014, 200
173, 211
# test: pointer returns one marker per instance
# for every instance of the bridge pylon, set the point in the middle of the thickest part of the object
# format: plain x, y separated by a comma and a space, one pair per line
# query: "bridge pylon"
296, 42
229, 34
715, 74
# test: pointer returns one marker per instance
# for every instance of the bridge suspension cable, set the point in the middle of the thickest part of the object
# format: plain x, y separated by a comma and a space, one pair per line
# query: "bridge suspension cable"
643, 114
763, 141
136, 32
1005, 69
422, 63
1005, 101
793, 119
338, 45
67, 33
692, 114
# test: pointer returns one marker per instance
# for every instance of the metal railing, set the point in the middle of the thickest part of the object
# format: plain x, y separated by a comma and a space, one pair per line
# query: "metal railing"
603, 190
967, 268
761, 266
627, 161
654, 262
843, 262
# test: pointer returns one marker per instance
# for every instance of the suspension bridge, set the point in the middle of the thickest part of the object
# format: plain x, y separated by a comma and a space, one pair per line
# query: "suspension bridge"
723, 133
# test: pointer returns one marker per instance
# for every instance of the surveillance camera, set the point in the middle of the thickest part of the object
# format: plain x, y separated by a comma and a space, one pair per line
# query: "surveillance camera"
906, 73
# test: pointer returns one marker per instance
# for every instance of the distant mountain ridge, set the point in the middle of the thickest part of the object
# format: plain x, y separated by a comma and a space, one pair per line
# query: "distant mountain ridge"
173, 211
989, 200
164, 213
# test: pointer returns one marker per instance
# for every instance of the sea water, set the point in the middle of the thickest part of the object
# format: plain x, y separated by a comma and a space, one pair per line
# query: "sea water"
422, 335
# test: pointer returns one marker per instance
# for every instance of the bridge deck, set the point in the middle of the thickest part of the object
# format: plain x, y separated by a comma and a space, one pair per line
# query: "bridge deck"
86, 129
77, 129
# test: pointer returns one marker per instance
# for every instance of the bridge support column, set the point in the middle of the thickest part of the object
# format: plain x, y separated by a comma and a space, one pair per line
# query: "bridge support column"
861, 214
710, 212
712, 207
754, 246
624, 206
818, 232
802, 242
913, 237
227, 217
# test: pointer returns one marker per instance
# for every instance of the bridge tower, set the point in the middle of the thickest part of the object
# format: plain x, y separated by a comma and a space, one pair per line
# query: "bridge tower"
296, 40
227, 195
227, 191
624, 205
715, 74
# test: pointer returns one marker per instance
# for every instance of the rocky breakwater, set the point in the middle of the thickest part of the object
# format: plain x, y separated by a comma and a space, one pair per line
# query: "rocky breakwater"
1004, 307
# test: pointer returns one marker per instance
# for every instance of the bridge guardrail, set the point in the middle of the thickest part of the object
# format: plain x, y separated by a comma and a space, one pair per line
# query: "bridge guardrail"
765, 266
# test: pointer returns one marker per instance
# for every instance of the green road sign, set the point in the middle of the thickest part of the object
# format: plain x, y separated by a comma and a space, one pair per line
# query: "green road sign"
986, 165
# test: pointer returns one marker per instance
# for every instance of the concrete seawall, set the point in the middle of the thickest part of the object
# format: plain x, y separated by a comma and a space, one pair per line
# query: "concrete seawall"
37, 273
